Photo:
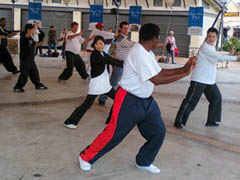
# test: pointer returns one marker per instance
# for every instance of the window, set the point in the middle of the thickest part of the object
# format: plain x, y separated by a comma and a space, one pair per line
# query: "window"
98, 2
236, 33
205, 4
177, 3
56, 1
158, 3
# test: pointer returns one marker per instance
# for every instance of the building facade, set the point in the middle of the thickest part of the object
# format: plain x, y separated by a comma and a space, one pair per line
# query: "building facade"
60, 15
232, 19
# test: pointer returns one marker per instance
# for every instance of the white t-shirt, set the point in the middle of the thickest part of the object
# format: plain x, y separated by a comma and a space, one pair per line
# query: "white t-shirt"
74, 45
139, 66
35, 35
96, 32
205, 70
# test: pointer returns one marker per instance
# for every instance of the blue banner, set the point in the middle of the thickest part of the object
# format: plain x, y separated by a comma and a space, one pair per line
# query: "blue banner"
96, 14
195, 20
135, 15
35, 11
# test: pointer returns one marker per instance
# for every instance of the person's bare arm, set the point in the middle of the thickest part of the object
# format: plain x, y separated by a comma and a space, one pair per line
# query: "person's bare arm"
75, 35
40, 43
159, 45
13, 33
167, 76
89, 39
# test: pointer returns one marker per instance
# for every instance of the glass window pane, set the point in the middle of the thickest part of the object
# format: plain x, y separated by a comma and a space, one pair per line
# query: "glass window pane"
177, 3
158, 3
98, 2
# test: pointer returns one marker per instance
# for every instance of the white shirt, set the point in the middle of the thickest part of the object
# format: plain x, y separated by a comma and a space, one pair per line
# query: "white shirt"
139, 66
74, 45
205, 70
96, 32
35, 35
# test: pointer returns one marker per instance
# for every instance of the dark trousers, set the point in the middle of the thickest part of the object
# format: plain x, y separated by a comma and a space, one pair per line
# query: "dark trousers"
76, 61
40, 50
78, 113
192, 98
171, 53
63, 50
6, 60
129, 111
28, 68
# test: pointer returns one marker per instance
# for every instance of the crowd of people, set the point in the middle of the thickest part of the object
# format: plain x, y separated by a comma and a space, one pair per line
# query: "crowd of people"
135, 72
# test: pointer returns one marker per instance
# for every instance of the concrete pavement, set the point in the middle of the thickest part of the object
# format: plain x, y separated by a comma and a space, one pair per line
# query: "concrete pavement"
35, 145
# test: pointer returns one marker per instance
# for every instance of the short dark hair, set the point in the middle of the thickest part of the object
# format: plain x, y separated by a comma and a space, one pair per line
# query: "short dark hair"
148, 32
96, 39
3, 19
74, 24
51, 26
28, 26
212, 29
123, 23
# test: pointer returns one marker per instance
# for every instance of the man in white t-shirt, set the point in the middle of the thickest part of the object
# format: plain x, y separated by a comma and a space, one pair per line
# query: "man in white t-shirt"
134, 104
204, 81
73, 48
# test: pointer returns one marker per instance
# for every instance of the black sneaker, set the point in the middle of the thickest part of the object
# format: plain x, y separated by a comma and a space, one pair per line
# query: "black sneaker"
178, 125
41, 87
19, 90
211, 124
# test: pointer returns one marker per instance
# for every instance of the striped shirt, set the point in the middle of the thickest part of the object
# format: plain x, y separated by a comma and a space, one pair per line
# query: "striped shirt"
123, 46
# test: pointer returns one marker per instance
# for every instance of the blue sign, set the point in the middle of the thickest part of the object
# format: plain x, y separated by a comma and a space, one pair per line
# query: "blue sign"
96, 13
195, 20
135, 15
35, 11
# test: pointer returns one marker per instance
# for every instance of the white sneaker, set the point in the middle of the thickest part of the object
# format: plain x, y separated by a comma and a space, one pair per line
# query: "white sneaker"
152, 169
85, 166
70, 126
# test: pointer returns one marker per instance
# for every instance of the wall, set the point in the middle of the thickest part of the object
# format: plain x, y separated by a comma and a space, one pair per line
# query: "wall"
232, 21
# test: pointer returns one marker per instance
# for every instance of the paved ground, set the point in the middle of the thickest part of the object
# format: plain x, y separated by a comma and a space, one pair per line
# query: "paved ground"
34, 145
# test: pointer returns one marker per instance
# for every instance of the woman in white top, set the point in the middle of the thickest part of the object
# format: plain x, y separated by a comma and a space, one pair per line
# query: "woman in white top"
171, 46
99, 83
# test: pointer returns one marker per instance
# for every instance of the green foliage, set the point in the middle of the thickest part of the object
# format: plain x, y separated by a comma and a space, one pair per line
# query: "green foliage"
227, 45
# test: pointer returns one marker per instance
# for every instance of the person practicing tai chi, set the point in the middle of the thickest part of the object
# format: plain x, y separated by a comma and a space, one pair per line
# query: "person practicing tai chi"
5, 57
73, 48
99, 82
28, 66
203, 81
134, 104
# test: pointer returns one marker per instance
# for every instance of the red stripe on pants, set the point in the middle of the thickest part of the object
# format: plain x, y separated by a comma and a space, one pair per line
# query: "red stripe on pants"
107, 134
